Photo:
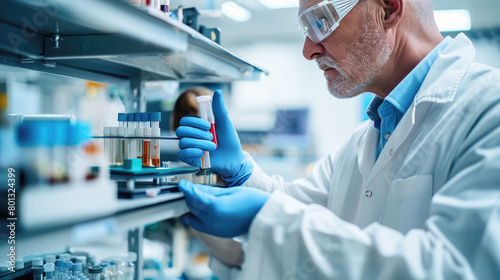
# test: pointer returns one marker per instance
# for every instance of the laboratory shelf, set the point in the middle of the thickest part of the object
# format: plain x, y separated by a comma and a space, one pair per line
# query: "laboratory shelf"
115, 38
129, 214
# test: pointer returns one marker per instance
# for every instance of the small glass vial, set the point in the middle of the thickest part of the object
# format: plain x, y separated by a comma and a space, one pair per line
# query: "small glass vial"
106, 273
49, 271
37, 272
128, 267
117, 274
95, 272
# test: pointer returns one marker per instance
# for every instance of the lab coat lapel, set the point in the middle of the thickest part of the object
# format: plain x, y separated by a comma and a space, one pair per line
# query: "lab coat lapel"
366, 148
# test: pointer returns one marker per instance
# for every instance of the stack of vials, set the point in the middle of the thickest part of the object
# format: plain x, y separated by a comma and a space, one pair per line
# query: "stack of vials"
132, 139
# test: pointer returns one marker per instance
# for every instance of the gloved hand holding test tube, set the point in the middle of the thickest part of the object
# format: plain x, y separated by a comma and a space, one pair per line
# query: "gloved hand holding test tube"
227, 157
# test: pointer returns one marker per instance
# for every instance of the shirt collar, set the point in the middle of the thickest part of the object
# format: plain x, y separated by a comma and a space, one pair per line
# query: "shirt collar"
403, 94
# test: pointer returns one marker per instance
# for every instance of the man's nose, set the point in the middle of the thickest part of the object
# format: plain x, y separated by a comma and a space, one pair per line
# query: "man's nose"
312, 50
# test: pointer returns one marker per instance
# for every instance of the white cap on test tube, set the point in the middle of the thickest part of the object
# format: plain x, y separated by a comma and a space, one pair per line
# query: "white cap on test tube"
50, 258
120, 131
130, 131
19, 264
37, 262
206, 108
66, 256
113, 131
156, 132
106, 131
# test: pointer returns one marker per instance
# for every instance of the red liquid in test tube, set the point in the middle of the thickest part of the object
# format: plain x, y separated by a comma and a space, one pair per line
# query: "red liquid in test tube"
214, 134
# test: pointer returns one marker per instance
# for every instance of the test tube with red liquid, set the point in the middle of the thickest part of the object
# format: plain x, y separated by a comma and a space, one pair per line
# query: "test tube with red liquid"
207, 114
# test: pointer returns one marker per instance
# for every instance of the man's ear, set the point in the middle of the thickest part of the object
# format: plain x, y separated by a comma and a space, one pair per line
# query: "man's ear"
394, 11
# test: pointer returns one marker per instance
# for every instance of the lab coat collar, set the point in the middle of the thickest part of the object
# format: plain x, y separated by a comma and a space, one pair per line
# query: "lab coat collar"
443, 79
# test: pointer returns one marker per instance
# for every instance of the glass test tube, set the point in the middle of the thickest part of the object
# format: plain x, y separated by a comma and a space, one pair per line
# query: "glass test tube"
116, 147
146, 157
155, 143
139, 132
122, 121
206, 113
131, 126
107, 146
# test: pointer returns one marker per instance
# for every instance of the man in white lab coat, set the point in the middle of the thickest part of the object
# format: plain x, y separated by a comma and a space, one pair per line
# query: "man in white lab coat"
415, 192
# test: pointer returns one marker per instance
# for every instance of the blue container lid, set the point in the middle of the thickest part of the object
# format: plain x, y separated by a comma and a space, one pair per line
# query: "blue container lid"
155, 116
95, 269
130, 117
137, 117
68, 264
145, 117
31, 134
122, 117
78, 133
59, 262
57, 133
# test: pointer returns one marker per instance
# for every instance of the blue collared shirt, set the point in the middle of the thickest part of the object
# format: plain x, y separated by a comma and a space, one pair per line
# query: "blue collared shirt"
387, 113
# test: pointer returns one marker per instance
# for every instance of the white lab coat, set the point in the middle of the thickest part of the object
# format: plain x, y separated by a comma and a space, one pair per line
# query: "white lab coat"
428, 208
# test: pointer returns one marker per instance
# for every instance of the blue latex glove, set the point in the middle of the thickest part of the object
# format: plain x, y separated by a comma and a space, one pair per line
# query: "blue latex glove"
227, 159
224, 212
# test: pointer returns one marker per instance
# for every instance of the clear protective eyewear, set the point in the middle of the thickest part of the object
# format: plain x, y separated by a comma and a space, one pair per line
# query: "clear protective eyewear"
319, 21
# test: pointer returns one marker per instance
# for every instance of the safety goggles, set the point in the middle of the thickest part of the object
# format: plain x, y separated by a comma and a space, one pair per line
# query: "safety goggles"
319, 21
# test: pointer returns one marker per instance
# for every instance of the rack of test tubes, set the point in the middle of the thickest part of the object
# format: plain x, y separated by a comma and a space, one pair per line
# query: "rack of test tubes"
133, 152
137, 137
72, 267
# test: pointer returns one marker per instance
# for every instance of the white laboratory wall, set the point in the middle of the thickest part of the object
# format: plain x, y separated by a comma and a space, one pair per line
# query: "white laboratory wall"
293, 82
488, 51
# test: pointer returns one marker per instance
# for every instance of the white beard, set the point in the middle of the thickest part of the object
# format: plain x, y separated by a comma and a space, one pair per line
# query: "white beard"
364, 62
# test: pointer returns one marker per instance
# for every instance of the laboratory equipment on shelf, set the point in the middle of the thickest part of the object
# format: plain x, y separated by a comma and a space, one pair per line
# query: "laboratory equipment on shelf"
62, 168
133, 139
54, 150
